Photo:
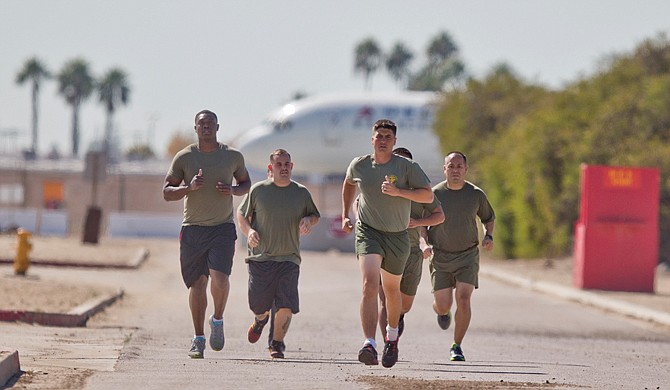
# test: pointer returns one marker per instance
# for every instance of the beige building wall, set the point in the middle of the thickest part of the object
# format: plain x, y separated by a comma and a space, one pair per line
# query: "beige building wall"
129, 187
119, 191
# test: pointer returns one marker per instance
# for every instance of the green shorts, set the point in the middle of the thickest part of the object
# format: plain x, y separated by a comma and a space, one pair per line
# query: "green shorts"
411, 276
393, 247
446, 268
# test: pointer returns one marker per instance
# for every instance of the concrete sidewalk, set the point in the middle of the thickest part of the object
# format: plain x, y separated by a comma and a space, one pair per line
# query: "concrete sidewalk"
554, 277
71, 252
61, 253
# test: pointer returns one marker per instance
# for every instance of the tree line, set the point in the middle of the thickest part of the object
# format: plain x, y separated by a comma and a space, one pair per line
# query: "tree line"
527, 142
76, 83
443, 63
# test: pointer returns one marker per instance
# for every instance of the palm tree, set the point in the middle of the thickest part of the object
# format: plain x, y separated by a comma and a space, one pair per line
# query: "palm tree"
443, 66
75, 83
113, 90
433, 78
35, 71
397, 62
368, 59
441, 49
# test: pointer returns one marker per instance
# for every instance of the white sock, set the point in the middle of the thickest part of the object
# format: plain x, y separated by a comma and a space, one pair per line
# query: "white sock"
199, 337
391, 333
371, 342
215, 320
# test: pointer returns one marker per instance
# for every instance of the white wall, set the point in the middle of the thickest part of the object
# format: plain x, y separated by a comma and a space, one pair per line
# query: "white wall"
143, 224
38, 222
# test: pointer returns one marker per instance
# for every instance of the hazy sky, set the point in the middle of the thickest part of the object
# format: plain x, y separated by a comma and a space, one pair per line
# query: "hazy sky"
243, 59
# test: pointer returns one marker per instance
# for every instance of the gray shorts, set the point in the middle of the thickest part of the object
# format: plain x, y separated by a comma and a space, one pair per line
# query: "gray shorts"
273, 282
202, 248
446, 268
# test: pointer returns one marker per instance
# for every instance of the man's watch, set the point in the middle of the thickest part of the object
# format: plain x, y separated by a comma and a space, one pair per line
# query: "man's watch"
490, 237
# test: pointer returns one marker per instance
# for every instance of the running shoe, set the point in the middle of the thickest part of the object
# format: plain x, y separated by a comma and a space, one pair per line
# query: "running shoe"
216, 339
197, 350
456, 353
368, 355
255, 330
401, 325
390, 355
277, 349
444, 320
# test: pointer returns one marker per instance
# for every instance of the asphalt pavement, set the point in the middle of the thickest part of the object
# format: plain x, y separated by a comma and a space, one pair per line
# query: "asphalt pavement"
542, 276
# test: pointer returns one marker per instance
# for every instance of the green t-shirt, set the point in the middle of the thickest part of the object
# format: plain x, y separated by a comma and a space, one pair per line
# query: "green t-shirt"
275, 214
206, 206
420, 210
461, 208
381, 211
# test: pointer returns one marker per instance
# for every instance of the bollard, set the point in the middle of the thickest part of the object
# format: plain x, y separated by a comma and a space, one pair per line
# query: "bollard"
23, 246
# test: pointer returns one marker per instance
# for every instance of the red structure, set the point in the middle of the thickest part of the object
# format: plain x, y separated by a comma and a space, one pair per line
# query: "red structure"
616, 236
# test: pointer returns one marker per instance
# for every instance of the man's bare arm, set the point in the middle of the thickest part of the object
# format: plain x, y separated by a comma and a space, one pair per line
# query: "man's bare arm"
348, 195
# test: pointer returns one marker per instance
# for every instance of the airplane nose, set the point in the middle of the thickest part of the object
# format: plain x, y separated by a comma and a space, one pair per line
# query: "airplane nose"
255, 146
248, 137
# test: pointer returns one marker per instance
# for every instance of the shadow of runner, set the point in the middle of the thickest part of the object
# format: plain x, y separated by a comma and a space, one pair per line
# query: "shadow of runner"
395, 383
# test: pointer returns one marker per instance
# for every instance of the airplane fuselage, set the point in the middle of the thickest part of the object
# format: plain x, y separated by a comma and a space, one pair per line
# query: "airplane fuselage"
323, 134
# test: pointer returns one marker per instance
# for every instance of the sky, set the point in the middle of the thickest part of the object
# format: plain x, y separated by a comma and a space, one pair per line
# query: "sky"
243, 59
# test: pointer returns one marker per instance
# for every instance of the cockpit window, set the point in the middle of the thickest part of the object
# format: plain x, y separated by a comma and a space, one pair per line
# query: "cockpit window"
281, 126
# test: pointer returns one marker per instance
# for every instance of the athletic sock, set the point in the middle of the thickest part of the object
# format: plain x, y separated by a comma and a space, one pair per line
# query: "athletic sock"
391, 333
199, 337
214, 320
371, 342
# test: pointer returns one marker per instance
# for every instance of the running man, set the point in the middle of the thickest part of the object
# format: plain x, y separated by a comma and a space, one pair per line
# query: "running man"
454, 266
202, 174
421, 216
273, 216
387, 184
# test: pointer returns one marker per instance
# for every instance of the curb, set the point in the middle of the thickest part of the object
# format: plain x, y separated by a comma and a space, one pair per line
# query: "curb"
9, 365
76, 317
141, 256
576, 295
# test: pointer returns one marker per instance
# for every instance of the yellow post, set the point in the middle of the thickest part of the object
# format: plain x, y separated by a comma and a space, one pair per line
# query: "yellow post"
23, 246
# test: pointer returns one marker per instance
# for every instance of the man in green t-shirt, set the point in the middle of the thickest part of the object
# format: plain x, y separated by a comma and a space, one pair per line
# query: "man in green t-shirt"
202, 174
387, 184
421, 216
273, 216
454, 266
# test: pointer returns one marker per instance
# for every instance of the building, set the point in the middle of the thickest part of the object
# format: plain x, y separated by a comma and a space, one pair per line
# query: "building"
54, 196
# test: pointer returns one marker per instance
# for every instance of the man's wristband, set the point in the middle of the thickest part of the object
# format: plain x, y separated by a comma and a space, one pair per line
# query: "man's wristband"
490, 237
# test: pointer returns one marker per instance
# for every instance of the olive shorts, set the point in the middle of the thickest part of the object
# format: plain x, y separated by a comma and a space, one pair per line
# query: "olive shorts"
392, 246
446, 268
411, 276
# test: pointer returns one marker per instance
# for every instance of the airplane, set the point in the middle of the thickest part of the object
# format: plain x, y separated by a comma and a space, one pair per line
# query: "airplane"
324, 133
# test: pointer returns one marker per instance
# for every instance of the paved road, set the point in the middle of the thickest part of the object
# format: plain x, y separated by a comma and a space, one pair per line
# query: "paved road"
516, 336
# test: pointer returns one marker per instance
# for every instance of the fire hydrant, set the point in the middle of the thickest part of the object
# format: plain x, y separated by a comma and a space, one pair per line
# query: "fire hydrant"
23, 246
